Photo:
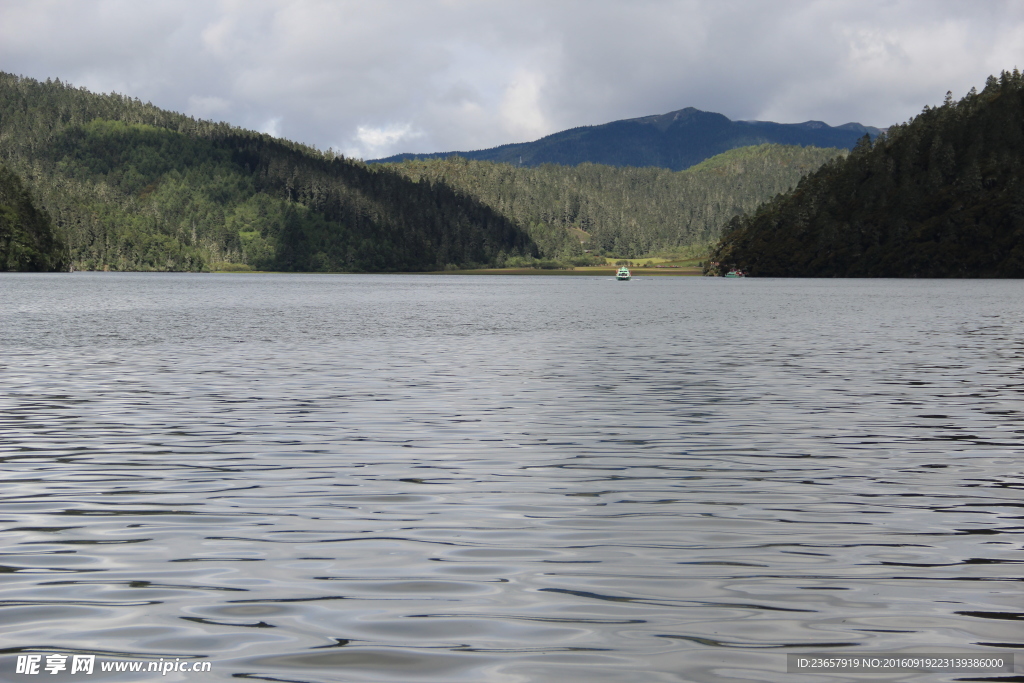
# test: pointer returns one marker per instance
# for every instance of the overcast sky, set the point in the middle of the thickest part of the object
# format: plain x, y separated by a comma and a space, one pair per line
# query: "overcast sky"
376, 77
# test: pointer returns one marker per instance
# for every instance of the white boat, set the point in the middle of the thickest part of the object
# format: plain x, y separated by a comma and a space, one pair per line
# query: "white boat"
623, 274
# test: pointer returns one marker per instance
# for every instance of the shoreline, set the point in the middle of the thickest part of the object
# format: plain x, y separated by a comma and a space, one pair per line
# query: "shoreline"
583, 270
597, 271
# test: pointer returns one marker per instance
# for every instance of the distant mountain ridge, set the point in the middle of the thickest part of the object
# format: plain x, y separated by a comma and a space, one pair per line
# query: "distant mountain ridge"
676, 140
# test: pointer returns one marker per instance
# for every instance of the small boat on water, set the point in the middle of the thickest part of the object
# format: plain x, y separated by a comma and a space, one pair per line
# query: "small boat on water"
623, 274
735, 273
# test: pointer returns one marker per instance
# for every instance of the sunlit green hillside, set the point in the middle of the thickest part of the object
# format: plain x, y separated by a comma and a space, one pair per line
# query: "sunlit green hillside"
629, 212
132, 187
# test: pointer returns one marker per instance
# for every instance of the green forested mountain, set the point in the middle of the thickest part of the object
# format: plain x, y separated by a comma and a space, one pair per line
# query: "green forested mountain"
939, 196
27, 239
676, 140
132, 187
629, 212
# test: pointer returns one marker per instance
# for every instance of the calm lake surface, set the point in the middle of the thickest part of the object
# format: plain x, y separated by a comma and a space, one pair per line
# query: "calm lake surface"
512, 479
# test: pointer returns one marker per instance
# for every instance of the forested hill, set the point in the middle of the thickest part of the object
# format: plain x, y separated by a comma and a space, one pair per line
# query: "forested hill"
628, 212
27, 239
939, 196
675, 141
132, 187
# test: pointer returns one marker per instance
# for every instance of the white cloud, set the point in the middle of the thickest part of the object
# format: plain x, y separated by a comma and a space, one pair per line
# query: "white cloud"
371, 141
522, 106
462, 74
272, 127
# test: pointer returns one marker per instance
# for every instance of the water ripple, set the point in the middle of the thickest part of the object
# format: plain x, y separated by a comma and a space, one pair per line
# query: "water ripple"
381, 478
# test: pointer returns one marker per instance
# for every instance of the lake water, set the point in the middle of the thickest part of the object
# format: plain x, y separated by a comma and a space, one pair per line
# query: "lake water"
510, 479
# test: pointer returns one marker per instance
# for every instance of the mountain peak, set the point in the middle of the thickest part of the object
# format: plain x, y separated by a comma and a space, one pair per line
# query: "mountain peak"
689, 116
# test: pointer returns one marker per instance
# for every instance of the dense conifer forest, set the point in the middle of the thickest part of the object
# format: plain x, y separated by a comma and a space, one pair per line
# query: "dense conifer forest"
27, 238
129, 186
623, 211
939, 196
123, 185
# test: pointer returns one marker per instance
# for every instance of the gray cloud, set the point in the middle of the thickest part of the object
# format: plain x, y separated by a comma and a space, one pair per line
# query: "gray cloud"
376, 78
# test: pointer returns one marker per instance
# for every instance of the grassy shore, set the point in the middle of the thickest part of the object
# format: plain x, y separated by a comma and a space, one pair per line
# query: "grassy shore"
597, 271
585, 270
